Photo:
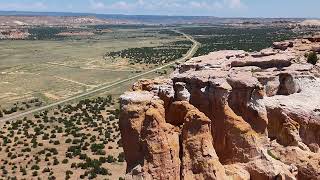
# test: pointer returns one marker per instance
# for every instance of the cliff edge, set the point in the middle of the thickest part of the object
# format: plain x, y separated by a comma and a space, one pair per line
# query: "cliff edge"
227, 115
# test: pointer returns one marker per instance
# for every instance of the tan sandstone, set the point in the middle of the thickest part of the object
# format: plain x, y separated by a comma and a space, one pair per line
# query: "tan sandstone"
227, 115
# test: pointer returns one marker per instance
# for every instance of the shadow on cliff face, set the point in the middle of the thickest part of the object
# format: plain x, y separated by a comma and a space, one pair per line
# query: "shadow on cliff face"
288, 85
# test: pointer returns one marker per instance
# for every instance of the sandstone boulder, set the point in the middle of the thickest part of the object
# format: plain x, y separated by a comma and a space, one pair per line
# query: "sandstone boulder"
283, 45
265, 62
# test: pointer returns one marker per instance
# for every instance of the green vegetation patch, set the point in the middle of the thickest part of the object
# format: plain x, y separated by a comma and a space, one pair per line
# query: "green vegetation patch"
237, 38
153, 55
82, 137
312, 58
45, 33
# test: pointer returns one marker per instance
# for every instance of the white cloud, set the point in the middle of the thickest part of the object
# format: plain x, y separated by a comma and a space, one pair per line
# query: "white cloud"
205, 5
120, 5
23, 6
234, 4
198, 4
165, 6
141, 2
96, 5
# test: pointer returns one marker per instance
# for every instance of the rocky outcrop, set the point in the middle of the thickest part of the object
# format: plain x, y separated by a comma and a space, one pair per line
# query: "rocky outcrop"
149, 141
283, 45
199, 159
227, 115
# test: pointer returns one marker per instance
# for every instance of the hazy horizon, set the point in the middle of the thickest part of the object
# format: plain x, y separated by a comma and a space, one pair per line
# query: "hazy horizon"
17, 13
215, 8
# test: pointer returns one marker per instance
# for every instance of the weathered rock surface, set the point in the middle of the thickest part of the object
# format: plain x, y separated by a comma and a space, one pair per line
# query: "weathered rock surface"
227, 115
199, 159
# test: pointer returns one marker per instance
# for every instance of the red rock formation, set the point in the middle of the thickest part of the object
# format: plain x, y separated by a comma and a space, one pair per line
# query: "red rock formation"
150, 142
227, 115
199, 159
160, 142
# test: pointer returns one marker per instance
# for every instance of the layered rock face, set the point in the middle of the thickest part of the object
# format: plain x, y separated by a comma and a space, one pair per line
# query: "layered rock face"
227, 115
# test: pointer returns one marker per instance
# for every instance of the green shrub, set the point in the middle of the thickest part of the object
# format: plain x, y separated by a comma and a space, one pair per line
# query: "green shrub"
24, 171
45, 170
56, 142
97, 147
14, 156
110, 159
312, 58
103, 159
35, 167
82, 176
73, 165
52, 178
55, 161
45, 137
69, 172
121, 157
68, 140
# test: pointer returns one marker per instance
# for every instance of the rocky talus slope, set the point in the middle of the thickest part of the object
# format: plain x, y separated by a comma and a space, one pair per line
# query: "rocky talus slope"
227, 115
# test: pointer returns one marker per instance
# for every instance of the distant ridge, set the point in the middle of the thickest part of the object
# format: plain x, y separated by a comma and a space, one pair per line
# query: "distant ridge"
151, 19
30, 13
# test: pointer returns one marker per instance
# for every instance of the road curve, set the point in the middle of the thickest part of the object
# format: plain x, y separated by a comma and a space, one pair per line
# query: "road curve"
187, 56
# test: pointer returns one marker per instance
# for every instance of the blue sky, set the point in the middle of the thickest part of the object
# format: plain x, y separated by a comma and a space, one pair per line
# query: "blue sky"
220, 8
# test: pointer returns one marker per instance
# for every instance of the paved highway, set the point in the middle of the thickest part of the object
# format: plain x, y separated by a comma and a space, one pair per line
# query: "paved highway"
102, 87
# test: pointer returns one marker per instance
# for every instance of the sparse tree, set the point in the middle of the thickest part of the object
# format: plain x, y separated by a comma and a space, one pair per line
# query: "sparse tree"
312, 58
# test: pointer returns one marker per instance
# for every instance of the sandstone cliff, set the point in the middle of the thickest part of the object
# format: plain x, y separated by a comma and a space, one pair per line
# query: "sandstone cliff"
227, 115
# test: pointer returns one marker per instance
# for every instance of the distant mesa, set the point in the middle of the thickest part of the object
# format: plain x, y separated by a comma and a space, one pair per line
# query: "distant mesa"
310, 23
